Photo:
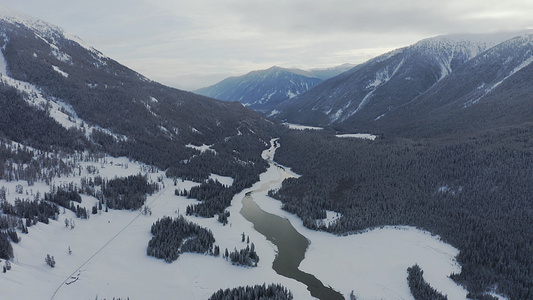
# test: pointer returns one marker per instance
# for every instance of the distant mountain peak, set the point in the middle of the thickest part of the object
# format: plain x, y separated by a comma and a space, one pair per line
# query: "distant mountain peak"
263, 89
28, 21
45, 30
467, 44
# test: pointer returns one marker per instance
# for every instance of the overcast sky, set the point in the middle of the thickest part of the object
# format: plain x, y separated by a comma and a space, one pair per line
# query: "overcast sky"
195, 43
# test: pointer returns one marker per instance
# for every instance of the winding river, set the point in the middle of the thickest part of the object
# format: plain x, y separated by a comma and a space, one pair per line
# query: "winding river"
290, 243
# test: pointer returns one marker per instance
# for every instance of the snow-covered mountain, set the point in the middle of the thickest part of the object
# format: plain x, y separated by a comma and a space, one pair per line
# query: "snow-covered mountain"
264, 89
85, 91
70, 115
357, 99
491, 90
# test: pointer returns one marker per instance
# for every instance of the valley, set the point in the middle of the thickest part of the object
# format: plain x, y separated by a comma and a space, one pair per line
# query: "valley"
109, 259
407, 176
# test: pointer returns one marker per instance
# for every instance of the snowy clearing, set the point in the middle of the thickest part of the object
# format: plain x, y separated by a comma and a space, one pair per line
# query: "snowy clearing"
301, 127
225, 180
331, 218
366, 136
202, 148
58, 70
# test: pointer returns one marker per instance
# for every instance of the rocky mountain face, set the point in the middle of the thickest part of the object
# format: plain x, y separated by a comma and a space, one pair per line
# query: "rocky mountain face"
381, 93
262, 90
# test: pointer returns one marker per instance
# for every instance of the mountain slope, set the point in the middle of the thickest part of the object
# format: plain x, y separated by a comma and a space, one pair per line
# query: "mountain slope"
369, 91
117, 108
491, 90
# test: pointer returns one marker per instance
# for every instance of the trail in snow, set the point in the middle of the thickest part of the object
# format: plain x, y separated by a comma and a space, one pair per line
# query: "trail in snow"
78, 270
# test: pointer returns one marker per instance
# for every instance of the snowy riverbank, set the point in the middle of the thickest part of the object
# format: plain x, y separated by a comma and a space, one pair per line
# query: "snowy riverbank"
109, 250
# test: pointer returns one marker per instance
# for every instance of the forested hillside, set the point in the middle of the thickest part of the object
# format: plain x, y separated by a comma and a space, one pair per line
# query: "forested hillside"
472, 190
58, 94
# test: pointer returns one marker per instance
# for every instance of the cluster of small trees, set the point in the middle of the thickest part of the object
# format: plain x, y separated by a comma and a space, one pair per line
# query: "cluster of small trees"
223, 217
127, 193
49, 259
264, 292
171, 237
420, 289
64, 197
245, 257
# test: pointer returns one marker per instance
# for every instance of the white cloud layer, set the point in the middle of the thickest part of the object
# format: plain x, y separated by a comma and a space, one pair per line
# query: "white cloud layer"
194, 43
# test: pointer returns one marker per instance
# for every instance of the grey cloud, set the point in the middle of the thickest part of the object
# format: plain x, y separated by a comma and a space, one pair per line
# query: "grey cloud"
170, 40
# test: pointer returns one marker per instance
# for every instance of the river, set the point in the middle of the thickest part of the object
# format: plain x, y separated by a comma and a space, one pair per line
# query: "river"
290, 243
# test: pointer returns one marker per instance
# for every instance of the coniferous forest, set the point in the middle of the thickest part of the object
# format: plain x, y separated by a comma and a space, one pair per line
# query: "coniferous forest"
473, 190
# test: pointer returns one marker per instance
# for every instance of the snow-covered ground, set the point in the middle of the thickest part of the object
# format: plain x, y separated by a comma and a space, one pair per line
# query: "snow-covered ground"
202, 148
301, 127
109, 252
225, 180
331, 218
366, 136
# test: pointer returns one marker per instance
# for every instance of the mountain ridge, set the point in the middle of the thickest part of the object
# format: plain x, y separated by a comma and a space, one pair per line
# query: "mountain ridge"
358, 98
461, 100
264, 89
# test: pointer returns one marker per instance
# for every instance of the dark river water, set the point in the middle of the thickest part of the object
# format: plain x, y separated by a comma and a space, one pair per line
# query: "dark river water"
290, 243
